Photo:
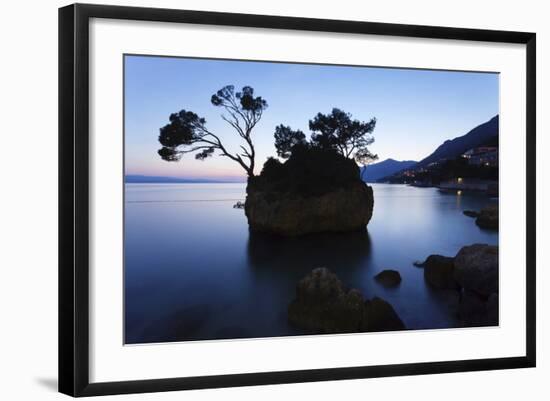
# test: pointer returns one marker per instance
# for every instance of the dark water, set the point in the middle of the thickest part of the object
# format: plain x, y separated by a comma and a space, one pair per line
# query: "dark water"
193, 270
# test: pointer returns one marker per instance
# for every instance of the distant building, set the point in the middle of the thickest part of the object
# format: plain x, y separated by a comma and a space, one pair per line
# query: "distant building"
482, 156
468, 184
437, 163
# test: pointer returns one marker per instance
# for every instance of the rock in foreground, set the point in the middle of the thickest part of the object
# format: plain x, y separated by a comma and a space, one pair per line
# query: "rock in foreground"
323, 305
474, 273
313, 191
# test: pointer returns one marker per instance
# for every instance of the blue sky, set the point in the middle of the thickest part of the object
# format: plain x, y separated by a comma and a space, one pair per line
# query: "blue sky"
416, 110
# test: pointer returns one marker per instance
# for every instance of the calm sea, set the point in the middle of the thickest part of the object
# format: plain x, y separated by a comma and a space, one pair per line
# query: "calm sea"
194, 272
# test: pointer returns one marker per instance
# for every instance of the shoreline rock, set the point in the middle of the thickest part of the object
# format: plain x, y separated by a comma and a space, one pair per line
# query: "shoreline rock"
474, 273
324, 305
488, 218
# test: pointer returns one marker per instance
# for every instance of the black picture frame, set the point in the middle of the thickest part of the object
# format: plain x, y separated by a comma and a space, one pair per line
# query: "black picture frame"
74, 200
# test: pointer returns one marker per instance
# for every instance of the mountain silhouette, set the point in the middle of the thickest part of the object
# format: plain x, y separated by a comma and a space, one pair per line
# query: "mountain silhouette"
376, 171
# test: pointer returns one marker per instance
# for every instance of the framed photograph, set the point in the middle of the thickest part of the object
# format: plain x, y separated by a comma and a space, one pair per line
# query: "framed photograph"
251, 199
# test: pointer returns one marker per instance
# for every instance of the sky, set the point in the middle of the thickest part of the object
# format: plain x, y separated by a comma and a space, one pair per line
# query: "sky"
416, 110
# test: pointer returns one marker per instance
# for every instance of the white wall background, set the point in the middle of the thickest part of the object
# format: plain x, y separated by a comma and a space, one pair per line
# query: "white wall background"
28, 199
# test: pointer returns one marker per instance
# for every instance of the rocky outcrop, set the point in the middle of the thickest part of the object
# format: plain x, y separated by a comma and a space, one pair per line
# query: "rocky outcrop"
488, 218
388, 278
324, 305
345, 209
474, 273
314, 191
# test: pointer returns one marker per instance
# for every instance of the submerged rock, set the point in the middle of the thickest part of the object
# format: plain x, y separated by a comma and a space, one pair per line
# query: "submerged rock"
388, 278
488, 218
314, 191
438, 271
470, 213
323, 305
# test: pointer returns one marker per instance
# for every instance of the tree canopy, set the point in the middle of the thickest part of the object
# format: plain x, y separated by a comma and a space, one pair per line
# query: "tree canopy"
286, 139
336, 131
187, 132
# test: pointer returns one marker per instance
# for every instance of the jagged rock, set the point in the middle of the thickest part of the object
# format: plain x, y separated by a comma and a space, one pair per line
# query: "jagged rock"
488, 218
438, 272
476, 269
323, 305
388, 278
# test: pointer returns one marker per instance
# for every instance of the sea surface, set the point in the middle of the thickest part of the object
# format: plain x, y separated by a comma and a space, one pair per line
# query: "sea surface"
193, 271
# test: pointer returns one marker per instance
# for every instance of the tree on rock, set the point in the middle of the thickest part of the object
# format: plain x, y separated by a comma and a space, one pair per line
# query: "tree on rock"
335, 131
187, 132
364, 157
286, 139
340, 132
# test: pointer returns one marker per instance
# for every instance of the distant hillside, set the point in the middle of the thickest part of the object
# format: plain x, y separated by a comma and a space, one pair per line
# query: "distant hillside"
148, 179
450, 149
376, 171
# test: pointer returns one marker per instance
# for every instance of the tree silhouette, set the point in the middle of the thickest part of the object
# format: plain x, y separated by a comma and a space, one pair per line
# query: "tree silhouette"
335, 131
364, 157
338, 131
187, 132
286, 139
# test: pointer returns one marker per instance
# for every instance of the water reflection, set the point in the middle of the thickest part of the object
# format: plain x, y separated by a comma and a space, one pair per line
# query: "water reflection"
337, 251
194, 271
